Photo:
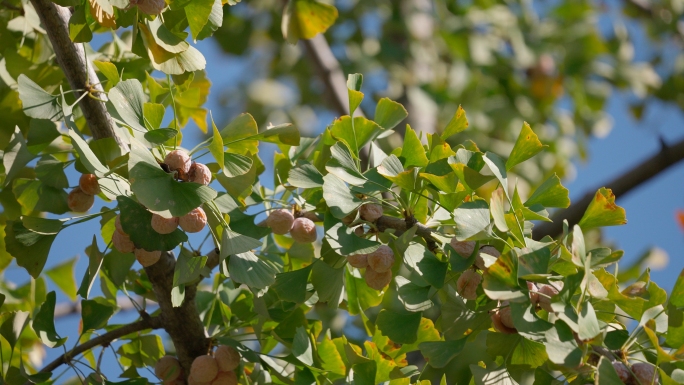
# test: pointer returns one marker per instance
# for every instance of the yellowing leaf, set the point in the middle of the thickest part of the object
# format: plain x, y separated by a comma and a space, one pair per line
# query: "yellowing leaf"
458, 123
603, 211
527, 146
304, 19
103, 12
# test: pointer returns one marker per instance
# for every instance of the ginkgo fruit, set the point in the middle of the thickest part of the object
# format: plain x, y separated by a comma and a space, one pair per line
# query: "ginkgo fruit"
150, 7
370, 212
167, 369
622, 372
303, 230
194, 221
467, 284
463, 248
204, 368
177, 160
227, 358
147, 258
122, 242
499, 326
88, 183
164, 225
79, 201
359, 261
199, 173
545, 293
505, 314
225, 378
645, 373
376, 280
280, 221
382, 259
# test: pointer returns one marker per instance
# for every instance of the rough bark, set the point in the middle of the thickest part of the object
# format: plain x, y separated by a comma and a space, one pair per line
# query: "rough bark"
621, 185
77, 69
182, 323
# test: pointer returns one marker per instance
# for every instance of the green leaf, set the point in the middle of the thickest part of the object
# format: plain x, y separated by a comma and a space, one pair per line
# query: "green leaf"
304, 19
468, 176
606, 374
498, 168
458, 123
127, 97
338, 196
38, 103
439, 353
305, 175
354, 82
471, 218
364, 373
137, 222
291, 286
42, 225
95, 258
677, 295
160, 136
389, 113
236, 243
158, 191
363, 131
13, 325
497, 209
79, 30
603, 211
154, 115
343, 165
28, 248
215, 20
249, 269
413, 151
331, 358
501, 278
87, 156
526, 146
588, 323
530, 353
392, 169
94, 314
562, 347
241, 130
414, 297
50, 171
485, 376
16, 156
189, 60
551, 193
400, 328
44, 323
343, 240
109, 70
236, 164
188, 267
280, 134
197, 13
34, 195
301, 347
216, 147
63, 276
533, 263
425, 265
41, 134
328, 282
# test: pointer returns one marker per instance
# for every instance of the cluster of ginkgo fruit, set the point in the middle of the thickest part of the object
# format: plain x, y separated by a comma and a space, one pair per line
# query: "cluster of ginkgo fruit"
177, 162
216, 369
378, 264
282, 221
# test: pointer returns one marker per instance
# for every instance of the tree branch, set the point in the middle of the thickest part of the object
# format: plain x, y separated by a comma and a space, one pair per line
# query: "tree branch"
400, 225
78, 71
668, 156
146, 322
69, 308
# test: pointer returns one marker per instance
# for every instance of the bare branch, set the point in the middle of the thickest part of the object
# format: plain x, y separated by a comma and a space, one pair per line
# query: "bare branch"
78, 71
146, 322
69, 308
668, 156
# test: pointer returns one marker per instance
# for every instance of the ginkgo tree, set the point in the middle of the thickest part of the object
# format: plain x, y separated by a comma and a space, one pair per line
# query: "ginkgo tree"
401, 239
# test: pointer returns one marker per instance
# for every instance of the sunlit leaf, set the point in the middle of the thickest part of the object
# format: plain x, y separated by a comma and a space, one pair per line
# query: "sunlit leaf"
63, 276
16, 156
44, 323
388, 113
249, 269
301, 347
401, 328
471, 218
551, 193
304, 19
28, 248
95, 314
38, 103
413, 151
458, 123
526, 146
602, 211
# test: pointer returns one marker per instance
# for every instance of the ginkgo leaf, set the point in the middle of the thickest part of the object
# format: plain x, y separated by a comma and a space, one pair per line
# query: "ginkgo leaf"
304, 19
603, 211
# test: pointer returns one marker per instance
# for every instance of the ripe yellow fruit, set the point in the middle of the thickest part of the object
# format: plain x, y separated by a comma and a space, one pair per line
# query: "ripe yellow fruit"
464, 249
376, 280
194, 221
122, 242
147, 258
199, 173
164, 225
303, 230
227, 358
225, 378
167, 369
467, 284
79, 201
88, 183
382, 259
204, 368
177, 160
359, 261
370, 212
280, 221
